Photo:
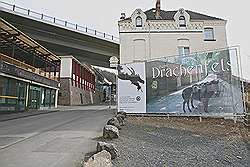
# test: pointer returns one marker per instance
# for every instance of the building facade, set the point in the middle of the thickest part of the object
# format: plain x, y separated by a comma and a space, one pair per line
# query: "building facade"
29, 73
78, 83
158, 33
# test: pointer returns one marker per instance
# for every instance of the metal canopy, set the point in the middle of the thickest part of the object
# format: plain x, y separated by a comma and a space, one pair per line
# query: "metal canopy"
11, 35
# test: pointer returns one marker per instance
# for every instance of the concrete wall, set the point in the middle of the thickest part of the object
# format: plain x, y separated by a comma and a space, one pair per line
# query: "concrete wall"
64, 92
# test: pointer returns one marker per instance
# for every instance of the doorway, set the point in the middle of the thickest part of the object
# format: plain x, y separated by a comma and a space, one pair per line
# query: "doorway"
34, 97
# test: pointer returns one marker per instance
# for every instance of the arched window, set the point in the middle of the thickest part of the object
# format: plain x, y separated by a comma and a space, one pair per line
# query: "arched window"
182, 21
138, 21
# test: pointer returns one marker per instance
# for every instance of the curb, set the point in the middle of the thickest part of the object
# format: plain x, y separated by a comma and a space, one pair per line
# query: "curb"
22, 115
10, 117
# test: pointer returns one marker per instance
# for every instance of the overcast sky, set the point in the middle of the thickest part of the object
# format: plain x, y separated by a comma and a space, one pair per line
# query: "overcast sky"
104, 14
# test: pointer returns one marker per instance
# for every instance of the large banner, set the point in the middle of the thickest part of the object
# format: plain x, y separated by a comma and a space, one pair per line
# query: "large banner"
132, 88
199, 84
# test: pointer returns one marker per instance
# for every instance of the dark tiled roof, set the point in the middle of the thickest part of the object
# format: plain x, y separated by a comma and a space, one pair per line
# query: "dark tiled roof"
169, 15
199, 16
165, 15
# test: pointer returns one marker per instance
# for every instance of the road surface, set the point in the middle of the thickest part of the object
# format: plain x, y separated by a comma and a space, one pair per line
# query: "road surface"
55, 139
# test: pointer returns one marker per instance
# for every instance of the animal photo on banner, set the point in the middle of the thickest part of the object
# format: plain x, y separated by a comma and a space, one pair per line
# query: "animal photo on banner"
201, 83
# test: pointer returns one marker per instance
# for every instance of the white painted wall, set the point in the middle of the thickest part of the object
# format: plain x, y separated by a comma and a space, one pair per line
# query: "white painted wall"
166, 44
139, 49
66, 67
162, 37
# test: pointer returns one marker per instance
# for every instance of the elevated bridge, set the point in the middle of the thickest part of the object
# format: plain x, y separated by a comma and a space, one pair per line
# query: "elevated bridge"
62, 37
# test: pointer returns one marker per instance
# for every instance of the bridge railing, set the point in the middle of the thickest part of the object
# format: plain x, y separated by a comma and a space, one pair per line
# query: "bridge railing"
56, 21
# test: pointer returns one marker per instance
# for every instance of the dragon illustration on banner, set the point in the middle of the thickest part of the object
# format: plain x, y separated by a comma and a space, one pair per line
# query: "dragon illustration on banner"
134, 78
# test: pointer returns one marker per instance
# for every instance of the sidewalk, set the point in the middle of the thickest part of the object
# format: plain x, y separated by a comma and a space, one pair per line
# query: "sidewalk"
14, 115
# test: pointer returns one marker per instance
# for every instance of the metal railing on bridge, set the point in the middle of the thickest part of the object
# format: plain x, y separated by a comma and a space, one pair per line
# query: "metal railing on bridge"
58, 22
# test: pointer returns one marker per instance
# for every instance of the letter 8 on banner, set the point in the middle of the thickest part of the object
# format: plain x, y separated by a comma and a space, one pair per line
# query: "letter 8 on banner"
132, 88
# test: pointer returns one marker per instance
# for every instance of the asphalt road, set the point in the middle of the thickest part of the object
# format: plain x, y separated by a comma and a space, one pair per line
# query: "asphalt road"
55, 139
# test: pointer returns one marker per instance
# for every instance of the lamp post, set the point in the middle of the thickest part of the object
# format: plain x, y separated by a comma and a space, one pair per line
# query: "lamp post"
113, 61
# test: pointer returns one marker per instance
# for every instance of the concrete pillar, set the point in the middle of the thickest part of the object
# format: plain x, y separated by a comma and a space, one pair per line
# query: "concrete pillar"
91, 97
27, 96
56, 98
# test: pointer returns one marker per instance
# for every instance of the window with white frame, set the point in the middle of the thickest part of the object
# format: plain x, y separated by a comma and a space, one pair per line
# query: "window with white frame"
183, 50
182, 21
209, 34
138, 21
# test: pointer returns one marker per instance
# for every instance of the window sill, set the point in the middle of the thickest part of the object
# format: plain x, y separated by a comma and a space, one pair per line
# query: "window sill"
209, 39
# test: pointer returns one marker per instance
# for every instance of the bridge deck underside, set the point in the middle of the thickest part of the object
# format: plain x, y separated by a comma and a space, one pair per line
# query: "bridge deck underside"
62, 41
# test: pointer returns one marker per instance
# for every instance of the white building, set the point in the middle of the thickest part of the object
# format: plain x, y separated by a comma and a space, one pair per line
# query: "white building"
158, 33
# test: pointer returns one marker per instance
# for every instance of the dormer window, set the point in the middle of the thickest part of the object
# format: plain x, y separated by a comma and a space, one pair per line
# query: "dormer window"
138, 21
182, 21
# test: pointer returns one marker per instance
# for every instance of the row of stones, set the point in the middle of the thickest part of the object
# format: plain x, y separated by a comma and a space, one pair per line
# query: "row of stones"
105, 152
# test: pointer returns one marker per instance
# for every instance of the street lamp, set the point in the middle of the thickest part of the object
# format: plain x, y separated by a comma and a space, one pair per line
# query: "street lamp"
113, 61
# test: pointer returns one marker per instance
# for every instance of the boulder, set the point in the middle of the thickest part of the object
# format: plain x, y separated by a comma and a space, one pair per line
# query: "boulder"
110, 132
108, 147
122, 113
120, 119
121, 116
114, 121
101, 159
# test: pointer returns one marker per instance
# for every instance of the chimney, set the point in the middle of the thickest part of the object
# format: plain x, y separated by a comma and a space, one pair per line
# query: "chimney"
158, 9
123, 16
